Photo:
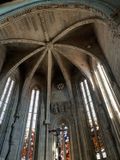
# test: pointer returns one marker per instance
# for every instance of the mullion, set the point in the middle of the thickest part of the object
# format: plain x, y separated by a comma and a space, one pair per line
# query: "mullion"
29, 137
86, 105
108, 101
109, 90
104, 94
6, 88
35, 113
95, 120
27, 128
6, 100
94, 125
91, 106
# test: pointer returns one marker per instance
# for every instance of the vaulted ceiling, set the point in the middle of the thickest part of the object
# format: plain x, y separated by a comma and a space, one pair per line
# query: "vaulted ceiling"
48, 42
50, 36
53, 42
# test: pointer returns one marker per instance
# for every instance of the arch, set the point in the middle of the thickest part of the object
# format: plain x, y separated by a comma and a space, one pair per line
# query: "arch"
82, 51
30, 125
98, 6
35, 86
16, 65
76, 25
14, 76
33, 70
83, 68
60, 118
68, 121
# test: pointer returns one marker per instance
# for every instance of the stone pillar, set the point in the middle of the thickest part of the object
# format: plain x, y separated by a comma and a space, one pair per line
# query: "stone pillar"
75, 131
42, 136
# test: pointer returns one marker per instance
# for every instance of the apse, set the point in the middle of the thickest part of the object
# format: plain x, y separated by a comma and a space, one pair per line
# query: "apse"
59, 80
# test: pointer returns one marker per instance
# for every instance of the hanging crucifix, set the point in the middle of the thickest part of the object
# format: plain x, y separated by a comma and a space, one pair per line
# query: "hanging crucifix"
57, 133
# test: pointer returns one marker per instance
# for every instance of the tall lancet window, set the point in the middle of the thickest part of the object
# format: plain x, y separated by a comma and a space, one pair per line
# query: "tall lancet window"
30, 130
109, 96
62, 143
93, 122
5, 98
65, 143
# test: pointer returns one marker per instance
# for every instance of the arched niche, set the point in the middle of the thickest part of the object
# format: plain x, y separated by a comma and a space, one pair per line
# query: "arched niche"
61, 124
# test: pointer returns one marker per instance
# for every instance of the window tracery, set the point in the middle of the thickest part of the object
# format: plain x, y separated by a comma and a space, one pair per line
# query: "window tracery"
65, 143
30, 129
62, 146
93, 122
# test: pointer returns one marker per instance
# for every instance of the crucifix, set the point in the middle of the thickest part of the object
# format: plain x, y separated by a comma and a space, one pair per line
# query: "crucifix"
56, 132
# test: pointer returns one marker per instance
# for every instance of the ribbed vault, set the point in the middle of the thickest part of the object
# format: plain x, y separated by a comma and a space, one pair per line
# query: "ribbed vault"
52, 47
41, 40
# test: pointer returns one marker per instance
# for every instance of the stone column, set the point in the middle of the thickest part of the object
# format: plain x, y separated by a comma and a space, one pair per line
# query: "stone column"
42, 136
77, 147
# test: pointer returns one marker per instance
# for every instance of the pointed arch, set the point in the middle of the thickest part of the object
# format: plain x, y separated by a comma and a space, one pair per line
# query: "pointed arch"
29, 139
76, 25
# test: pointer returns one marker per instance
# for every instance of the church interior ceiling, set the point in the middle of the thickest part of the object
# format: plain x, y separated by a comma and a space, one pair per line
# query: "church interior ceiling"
55, 49
52, 37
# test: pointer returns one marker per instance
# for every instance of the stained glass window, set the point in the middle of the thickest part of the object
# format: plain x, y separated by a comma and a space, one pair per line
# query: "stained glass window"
6, 95
93, 122
62, 147
30, 130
